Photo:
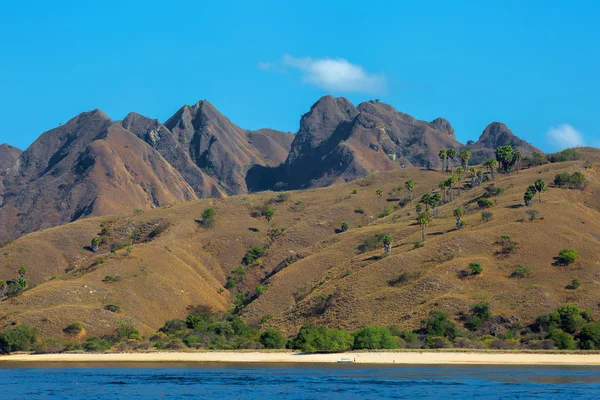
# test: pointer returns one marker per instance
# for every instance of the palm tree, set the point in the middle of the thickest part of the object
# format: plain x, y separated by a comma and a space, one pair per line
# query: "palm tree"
451, 181
379, 194
443, 154
479, 176
22, 272
517, 158
442, 187
426, 199
458, 214
410, 186
491, 165
459, 173
451, 155
540, 186
387, 245
435, 202
269, 214
423, 220
473, 175
465, 156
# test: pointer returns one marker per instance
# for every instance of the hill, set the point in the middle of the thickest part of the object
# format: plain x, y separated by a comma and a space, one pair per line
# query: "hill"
95, 166
338, 142
166, 260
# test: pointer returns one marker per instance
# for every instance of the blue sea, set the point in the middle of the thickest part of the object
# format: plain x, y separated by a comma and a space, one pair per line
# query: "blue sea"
286, 381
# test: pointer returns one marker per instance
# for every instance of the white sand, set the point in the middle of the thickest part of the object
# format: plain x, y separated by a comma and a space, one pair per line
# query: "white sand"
289, 357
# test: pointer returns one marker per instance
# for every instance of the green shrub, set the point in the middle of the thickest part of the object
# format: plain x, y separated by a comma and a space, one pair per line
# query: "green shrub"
253, 255
485, 203
475, 268
575, 284
272, 339
563, 340
74, 329
438, 324
312, 339
418, 245
374, 337
19, 338
521, 271
96, 344
567, 256
589, 337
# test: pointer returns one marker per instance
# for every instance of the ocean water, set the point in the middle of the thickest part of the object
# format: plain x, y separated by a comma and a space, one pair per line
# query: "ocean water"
282, 382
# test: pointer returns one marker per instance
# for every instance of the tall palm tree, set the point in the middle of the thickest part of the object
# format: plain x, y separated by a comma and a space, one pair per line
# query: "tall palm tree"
451, 181
458, 214
465, 156
442, 187
473, 175
540, 186
423, 220
451, 155
269, 214
387, 245
443, 154
410, 186
460, 171
379, 193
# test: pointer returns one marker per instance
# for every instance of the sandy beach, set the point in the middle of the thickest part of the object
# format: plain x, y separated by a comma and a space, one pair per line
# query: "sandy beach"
467, 358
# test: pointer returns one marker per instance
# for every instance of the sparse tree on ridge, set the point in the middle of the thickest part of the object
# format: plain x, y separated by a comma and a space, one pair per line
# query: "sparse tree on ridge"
22, 272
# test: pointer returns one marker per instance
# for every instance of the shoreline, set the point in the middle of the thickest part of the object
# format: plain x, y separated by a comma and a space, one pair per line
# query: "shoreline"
399, 358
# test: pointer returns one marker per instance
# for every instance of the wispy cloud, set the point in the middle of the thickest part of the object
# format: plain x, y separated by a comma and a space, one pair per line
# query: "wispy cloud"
265, 65
565, 136
334, 74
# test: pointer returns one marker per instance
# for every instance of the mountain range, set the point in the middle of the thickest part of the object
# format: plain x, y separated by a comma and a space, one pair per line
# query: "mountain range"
93, 166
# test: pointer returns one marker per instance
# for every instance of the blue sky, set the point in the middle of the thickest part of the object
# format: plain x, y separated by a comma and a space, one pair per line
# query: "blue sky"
532, 65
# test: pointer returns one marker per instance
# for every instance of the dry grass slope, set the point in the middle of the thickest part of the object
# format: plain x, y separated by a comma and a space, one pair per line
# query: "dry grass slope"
326, 280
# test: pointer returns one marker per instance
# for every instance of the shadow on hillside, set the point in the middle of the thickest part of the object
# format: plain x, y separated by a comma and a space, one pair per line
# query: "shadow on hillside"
515, 206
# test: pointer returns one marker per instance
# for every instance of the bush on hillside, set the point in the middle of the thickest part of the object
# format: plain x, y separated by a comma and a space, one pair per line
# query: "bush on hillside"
373, 338
272, 339
19, 338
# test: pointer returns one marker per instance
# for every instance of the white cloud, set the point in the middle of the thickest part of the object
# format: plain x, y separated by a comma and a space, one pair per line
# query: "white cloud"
336, 74
565, 136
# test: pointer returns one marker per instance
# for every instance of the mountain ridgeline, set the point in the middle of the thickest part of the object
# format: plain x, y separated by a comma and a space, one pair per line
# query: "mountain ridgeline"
93, 166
